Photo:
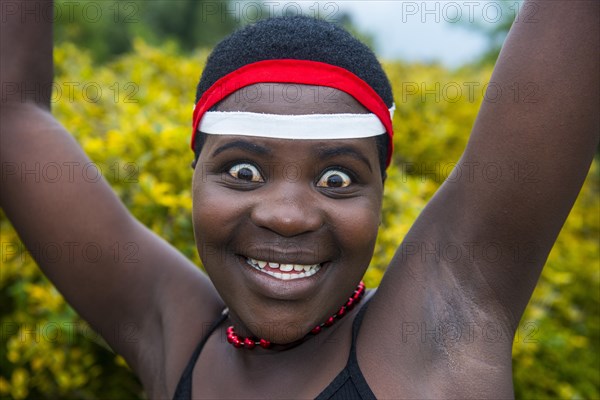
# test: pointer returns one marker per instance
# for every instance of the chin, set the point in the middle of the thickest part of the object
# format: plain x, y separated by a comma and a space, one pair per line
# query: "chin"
280, 324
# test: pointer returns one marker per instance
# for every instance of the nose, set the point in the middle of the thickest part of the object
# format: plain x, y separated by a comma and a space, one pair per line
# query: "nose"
288, 209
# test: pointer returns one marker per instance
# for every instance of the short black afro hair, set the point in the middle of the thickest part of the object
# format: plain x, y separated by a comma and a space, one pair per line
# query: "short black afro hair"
300, 38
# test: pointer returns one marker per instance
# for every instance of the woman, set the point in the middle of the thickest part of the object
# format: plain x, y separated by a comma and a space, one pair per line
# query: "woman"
287, 197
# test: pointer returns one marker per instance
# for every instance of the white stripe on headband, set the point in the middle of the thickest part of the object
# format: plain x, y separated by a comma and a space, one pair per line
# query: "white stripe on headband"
309, 126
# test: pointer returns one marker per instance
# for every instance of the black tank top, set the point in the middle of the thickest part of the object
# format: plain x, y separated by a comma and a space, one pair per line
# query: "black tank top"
349, 384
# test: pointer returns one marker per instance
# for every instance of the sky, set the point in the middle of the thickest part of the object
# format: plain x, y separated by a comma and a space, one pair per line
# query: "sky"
417, 31
424, 31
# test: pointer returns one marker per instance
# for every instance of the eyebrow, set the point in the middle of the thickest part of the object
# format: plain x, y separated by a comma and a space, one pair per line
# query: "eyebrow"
344, 151
243, 145
321, 152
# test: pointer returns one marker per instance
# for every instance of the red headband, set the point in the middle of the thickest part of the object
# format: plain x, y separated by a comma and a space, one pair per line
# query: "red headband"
299, 72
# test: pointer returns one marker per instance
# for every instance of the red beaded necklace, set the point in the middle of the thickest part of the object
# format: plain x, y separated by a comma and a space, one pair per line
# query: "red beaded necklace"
250, 343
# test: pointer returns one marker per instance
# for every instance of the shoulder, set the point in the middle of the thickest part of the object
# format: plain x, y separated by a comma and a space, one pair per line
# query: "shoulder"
187, 306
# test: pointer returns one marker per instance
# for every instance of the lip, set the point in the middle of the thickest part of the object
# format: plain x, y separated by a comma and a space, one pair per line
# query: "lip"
279, 289
293, 254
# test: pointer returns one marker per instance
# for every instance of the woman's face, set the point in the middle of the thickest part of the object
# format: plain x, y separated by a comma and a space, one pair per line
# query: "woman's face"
261, 205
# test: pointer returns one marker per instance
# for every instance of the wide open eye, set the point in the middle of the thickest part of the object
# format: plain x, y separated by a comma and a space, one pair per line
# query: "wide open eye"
246, 172
334, 178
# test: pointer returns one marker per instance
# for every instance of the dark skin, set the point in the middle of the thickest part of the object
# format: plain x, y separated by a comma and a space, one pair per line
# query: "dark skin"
171, 302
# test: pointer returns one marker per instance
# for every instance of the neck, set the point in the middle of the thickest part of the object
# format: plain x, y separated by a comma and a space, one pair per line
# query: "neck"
250, 342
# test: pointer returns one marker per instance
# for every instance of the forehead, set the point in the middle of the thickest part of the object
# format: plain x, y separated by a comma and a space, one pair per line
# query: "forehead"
291, 99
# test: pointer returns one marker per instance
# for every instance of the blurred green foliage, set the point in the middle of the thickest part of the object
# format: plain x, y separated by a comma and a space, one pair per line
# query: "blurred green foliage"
142, 119
108, 28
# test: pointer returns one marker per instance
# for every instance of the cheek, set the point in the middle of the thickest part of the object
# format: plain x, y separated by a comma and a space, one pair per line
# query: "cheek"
215, 215
357, 229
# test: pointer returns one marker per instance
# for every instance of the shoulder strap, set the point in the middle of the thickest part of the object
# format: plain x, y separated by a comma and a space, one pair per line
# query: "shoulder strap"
350, 382
353, 368
184, 387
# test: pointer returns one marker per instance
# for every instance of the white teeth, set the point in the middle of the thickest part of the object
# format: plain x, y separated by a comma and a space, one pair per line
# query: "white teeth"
308, 270
286, 267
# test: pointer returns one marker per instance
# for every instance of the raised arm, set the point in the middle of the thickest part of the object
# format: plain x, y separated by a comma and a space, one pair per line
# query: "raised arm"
537, 154
131, 296
495, 227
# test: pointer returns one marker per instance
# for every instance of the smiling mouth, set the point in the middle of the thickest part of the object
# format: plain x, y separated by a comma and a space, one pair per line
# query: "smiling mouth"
284, 272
